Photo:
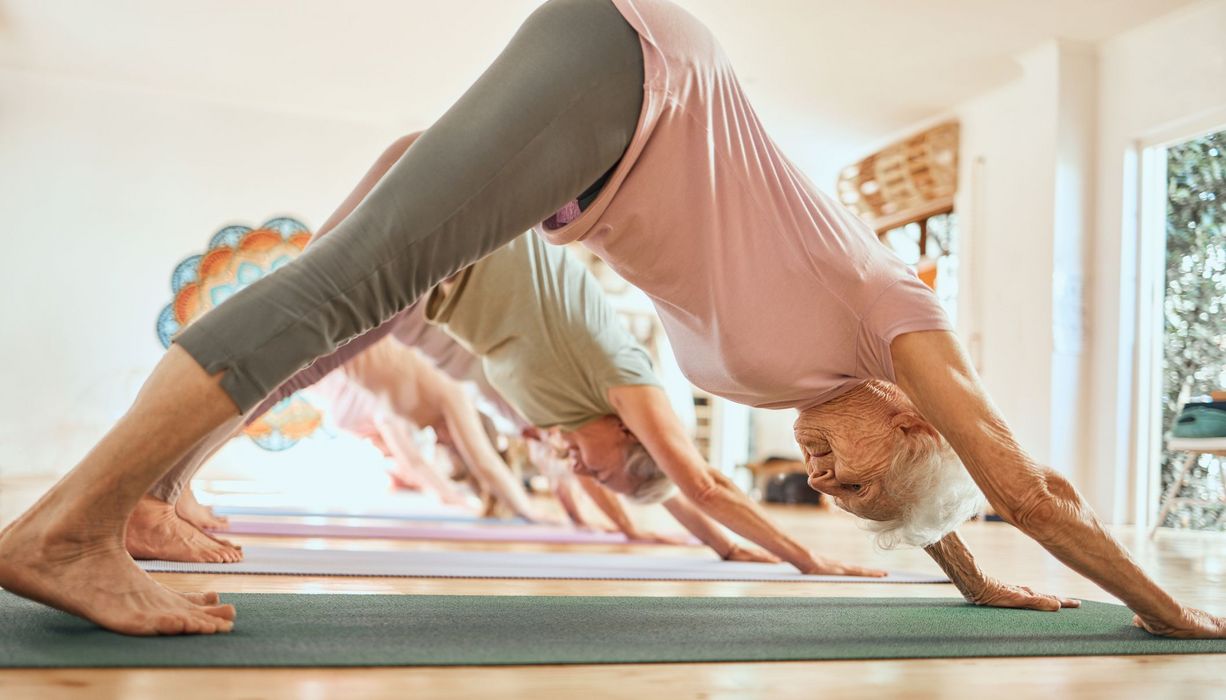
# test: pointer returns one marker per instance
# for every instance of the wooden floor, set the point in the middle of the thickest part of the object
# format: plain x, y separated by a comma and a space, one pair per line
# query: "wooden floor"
1193, 566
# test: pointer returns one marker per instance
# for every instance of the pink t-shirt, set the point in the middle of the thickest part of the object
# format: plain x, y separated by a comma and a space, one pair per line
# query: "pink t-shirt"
771, 293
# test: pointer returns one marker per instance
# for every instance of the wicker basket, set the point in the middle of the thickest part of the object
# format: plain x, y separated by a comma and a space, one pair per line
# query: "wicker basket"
907, 181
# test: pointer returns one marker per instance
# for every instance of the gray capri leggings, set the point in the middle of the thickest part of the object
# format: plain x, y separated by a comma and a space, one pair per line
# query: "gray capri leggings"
553, 113
168, 488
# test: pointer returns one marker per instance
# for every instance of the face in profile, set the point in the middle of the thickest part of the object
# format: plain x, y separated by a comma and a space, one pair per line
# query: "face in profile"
851, 443
600, 449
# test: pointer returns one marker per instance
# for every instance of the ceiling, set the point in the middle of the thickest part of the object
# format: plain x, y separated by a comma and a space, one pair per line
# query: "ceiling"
825, 74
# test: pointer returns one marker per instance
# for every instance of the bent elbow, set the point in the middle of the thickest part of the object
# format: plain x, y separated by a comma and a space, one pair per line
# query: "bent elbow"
1043, 509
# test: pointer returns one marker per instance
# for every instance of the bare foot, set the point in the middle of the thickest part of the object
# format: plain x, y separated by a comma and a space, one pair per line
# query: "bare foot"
199, 515
155, 531
77, 568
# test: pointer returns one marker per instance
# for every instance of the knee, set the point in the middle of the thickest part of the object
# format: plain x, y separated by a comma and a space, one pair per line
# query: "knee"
559, 18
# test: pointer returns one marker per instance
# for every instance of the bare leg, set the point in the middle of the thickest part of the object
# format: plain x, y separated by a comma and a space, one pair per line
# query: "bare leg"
67, 551
155, 531
197, 514
159, 529
563, 104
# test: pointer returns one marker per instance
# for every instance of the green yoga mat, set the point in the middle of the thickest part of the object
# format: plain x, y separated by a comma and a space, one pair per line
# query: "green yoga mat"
405, 630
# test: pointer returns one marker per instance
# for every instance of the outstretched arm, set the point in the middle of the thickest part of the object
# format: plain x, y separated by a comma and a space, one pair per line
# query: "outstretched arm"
565, 491
956, 561
475, 449
646, 412
397, 434
711, 533
933, 370
611, 505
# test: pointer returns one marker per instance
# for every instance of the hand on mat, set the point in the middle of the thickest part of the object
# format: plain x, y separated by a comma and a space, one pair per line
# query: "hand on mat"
739, 553
830, 567
1002, 595
656, 537
538, 518
1191, 624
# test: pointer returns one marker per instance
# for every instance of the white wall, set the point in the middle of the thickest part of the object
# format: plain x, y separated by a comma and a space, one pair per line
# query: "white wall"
104, 190
1005, 207
1047, 208
1164, 79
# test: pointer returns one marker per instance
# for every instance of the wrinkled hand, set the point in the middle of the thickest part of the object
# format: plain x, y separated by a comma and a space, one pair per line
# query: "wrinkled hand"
1191, 624
830, 567
739, 553
1003, 595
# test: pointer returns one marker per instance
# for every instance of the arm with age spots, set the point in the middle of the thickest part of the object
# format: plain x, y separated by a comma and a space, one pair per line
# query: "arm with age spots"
646, 412
934, 372
956, 561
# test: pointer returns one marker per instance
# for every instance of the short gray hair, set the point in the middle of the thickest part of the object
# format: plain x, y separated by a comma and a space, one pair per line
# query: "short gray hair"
935, 493
654, 486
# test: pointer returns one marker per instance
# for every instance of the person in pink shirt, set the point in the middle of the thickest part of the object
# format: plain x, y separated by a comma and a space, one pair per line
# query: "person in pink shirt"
619, 124
370, 414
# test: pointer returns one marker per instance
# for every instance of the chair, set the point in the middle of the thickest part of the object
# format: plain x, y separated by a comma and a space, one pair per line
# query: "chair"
1193, 449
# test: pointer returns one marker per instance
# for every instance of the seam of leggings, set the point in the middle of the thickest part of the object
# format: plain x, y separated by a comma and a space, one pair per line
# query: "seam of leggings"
230, 357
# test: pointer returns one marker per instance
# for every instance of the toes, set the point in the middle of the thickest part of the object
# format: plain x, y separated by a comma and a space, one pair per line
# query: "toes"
170, 624
209, 598
224, 612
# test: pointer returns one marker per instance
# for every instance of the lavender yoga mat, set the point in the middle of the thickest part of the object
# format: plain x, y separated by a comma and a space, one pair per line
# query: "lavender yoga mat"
546, 535
300, 512
512, 565
398, 506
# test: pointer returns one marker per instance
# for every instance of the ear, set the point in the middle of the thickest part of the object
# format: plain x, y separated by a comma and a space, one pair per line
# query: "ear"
621, 425
912, 424
628, 433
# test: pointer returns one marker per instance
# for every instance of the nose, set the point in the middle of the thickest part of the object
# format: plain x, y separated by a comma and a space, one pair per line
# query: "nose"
823, 480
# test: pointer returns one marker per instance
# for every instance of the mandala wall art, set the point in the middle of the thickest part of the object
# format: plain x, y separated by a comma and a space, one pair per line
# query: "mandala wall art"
236, 257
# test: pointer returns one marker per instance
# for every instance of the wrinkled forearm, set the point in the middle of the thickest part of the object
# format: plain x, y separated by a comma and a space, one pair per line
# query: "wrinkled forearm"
952, 555
934, 371
1052, 513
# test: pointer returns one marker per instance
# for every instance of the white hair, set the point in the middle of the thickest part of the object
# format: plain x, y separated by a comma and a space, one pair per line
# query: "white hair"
935, 493
654, 485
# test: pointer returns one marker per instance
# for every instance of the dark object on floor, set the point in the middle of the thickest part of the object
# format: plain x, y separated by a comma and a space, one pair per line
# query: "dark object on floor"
791, 488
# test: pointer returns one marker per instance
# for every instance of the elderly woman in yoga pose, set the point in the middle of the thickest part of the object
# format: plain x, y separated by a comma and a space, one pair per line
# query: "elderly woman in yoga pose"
618, 123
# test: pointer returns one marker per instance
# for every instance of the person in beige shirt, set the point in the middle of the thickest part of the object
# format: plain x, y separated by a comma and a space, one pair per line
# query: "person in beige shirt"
554, 348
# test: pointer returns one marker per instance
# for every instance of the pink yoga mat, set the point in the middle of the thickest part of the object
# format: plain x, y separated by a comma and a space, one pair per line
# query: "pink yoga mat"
518, 533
